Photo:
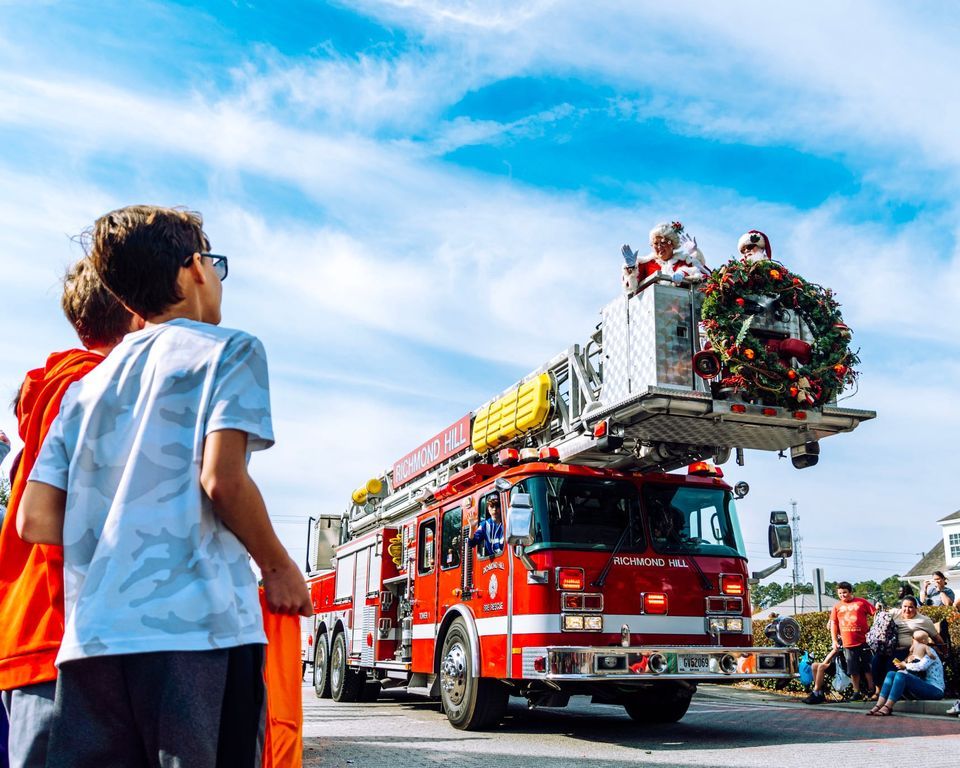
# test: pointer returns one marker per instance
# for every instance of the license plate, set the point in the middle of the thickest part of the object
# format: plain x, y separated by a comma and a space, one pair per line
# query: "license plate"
691, 663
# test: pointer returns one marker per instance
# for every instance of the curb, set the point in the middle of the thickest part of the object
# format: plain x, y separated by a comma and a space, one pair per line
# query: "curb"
919, 708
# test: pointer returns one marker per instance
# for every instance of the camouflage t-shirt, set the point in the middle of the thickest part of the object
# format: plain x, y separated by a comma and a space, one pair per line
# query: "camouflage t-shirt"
148, 565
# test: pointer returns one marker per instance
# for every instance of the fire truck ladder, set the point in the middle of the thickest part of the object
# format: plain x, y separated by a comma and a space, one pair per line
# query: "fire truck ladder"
627, 399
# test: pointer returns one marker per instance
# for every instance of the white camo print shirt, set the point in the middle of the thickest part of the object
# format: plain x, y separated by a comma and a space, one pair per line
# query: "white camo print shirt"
148, 566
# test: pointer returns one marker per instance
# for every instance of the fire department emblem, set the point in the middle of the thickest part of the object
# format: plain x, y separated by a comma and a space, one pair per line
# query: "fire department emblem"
493, 586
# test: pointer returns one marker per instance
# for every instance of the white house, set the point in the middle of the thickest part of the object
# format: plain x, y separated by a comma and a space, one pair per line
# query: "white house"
944, 556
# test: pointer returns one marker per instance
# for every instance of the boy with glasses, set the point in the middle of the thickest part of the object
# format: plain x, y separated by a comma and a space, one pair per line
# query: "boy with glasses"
144, 479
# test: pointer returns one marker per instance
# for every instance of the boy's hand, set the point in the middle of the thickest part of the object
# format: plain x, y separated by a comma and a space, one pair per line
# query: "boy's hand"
286, 591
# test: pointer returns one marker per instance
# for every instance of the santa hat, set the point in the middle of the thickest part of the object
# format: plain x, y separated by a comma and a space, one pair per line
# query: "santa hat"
755, 237
670, 230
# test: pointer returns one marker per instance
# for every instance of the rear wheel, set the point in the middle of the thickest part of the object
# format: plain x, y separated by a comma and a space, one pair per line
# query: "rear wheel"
470, 703
321, 667
665, 705
346, 684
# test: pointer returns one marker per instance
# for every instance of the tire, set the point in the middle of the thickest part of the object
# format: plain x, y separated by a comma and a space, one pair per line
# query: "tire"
470, 703
321, 667
666, 705
346, 684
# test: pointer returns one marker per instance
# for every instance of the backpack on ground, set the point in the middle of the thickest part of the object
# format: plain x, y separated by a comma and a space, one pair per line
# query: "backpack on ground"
806, 670
882, 636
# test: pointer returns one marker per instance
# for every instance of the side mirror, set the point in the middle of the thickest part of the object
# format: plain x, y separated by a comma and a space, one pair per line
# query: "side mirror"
520, 531
780, 538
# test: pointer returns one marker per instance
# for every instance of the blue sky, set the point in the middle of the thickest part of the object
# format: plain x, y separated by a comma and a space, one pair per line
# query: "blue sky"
422, 201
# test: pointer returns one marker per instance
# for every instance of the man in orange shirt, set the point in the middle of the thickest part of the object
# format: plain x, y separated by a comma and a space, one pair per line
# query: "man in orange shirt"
849, 622
31, 576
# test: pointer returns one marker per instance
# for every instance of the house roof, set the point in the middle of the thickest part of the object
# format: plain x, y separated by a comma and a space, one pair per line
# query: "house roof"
805, 604
934, 560
951, 516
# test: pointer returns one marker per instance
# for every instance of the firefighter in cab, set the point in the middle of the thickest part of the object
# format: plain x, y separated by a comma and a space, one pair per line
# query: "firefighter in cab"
489, 534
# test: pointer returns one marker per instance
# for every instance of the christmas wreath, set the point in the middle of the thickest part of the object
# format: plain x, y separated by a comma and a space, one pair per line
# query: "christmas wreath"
782, 372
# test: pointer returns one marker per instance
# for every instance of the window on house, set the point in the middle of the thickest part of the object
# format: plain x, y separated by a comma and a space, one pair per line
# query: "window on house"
954, 542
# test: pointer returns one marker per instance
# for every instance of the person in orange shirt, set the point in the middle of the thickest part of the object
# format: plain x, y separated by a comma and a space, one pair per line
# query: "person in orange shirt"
850, 619
31, 576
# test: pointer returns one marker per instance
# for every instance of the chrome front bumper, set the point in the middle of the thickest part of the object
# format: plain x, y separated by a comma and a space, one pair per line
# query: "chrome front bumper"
649, 663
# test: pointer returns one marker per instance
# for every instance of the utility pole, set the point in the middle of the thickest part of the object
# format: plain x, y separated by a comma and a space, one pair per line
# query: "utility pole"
797, 555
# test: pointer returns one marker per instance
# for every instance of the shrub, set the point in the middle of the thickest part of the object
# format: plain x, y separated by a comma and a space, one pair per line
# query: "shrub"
815, 639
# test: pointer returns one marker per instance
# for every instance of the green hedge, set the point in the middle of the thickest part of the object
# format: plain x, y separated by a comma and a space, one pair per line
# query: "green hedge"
815, 638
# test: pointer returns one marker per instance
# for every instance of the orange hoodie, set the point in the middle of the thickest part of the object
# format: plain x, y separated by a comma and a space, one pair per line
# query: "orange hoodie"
31, 575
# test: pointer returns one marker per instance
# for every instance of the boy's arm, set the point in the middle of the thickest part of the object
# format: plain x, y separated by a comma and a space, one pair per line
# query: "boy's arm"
40, 514
238, 503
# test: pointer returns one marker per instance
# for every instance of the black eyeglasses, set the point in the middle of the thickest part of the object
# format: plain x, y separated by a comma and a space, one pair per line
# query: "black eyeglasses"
219, 263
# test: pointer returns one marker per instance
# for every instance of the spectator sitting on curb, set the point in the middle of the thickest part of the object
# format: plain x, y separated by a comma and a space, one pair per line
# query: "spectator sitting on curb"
921, 675
820, 670
907, 620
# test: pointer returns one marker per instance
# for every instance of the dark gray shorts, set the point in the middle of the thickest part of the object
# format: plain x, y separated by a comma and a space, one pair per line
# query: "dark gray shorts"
172, 709
858, 659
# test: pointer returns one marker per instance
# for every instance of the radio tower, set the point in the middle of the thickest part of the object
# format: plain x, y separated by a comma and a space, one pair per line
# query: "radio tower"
798, 575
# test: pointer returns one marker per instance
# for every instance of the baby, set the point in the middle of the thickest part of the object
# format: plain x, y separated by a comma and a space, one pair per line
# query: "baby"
918, 649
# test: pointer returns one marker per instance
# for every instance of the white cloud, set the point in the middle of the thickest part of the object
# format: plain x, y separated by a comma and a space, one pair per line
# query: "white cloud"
410, 254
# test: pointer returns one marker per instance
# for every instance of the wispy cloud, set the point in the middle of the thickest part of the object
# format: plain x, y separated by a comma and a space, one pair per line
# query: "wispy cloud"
414, 275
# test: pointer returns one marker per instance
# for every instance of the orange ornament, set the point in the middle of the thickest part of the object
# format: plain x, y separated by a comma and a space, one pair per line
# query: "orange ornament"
791, 374
775, 274
749, 354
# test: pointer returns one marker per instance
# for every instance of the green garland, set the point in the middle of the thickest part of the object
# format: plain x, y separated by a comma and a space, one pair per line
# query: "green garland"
748, 365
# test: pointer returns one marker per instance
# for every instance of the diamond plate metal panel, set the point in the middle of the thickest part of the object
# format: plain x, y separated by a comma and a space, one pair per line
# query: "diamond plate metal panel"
643, 338
662, 338
369, 630
616, 352
702, 431
529, 655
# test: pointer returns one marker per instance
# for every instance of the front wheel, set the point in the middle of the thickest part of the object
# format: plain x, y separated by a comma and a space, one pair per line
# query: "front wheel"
321, 667
346, 684
658, 706
471, 703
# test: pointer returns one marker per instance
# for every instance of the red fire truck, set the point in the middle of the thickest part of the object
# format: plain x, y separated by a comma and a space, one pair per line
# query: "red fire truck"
611, 574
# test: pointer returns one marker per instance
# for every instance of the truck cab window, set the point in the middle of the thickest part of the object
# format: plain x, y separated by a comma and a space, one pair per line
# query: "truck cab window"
426, 545
584, 513
490, 543
450, 542
693, 520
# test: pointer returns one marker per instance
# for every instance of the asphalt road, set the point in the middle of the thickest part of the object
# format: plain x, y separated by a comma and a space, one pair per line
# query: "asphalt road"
724, 727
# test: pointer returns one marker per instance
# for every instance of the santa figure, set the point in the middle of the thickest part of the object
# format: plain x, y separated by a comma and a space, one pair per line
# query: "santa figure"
674, 254
754, 246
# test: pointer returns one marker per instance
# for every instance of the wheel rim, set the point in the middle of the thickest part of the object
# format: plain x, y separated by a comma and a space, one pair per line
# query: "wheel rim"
335, 671
320, 665
453, 674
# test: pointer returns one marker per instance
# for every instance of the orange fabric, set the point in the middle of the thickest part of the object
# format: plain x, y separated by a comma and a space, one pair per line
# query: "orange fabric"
852, 620
283, 745
31, 576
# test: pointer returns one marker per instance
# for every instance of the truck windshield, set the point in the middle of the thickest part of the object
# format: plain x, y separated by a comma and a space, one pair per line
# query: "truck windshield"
584, 513
699, 521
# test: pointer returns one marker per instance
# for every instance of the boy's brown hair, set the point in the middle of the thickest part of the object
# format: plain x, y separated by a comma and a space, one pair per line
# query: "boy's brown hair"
96, 315
138, 252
